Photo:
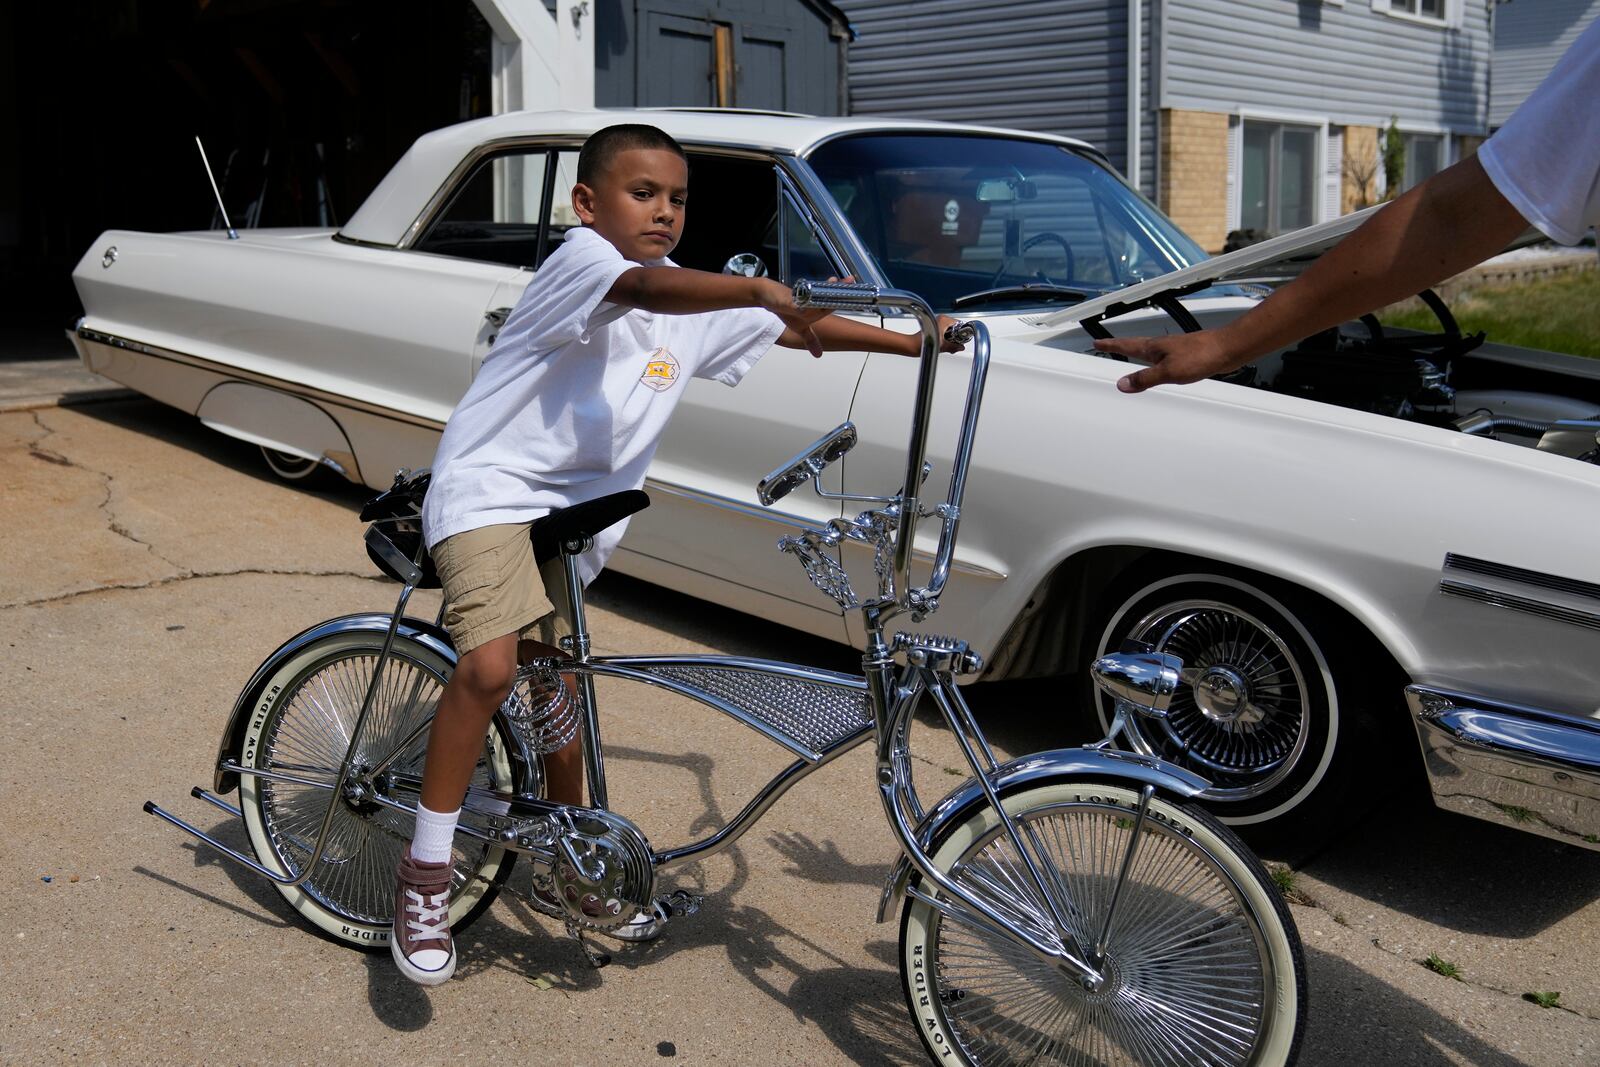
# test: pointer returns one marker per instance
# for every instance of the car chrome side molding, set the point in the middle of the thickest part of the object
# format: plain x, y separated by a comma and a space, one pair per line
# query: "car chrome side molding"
234, 372
1576, 602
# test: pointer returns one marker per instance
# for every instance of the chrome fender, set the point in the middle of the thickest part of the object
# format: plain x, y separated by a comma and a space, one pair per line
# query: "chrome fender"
424, 633
1081, 763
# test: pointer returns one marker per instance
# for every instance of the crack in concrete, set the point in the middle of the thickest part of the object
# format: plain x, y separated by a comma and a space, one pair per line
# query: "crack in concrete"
188, 575
36, 450
1376, 942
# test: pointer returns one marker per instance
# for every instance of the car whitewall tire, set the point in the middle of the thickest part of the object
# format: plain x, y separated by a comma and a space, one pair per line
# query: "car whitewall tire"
1258, 711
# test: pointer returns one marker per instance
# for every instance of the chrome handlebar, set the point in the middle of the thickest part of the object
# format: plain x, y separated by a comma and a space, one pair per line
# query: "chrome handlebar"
856, 296
839, 296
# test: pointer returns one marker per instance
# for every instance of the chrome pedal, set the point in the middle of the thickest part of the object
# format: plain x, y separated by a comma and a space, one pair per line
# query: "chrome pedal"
679, 902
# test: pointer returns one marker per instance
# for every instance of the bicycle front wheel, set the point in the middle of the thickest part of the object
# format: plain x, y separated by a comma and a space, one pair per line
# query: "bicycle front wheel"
1203, 965
299, 735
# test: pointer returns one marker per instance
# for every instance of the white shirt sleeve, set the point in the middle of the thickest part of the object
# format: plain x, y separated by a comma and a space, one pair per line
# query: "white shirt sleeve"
1546, 159
566, 300
728, 343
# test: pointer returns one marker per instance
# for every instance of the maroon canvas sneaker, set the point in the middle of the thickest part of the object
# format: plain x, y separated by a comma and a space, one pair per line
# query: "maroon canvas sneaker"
421, 943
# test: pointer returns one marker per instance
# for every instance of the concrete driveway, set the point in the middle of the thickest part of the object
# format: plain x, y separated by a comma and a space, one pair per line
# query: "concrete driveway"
150, 565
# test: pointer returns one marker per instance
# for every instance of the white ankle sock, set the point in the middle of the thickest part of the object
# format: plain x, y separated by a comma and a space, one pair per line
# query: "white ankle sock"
435, 831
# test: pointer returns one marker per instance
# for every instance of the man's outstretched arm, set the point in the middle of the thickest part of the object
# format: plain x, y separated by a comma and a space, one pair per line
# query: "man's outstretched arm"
1450, 222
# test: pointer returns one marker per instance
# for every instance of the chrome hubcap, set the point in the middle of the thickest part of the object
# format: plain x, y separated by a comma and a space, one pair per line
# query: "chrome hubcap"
1239, 716
1223, 695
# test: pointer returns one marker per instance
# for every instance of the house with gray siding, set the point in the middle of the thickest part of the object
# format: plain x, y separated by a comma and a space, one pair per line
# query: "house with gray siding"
1231, 114
1529, 36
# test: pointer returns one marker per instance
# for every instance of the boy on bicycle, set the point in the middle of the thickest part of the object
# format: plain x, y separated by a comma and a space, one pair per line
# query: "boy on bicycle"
569, 406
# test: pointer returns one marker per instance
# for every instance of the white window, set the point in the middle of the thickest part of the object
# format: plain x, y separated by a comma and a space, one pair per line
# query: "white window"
1279, 179
1424, 157
1448, 13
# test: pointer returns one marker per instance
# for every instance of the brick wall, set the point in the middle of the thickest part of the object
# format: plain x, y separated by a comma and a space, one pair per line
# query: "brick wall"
1358, 185
1194, 174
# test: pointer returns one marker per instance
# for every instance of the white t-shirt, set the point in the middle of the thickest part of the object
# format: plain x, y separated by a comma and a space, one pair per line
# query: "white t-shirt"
1546, 159
572, 400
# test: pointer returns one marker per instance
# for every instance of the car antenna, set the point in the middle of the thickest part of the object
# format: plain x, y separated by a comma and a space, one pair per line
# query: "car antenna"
233, 234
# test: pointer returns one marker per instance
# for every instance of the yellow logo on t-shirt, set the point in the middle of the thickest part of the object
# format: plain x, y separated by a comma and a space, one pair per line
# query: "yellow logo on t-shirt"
660, 370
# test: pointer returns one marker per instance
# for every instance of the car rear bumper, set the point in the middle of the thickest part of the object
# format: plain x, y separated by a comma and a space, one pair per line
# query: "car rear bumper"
1522, 767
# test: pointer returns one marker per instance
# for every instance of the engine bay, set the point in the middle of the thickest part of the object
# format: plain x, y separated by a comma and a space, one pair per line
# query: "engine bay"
1447, 379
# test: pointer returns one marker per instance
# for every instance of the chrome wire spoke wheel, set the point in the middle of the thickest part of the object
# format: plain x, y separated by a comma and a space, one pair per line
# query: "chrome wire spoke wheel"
1202, 965
356, 871
304, 733
1240, 718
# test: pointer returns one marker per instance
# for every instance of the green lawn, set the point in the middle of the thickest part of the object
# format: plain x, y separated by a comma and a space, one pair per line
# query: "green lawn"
1558, 315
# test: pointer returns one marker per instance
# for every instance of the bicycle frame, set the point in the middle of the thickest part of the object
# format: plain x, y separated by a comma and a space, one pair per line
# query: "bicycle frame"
817, 715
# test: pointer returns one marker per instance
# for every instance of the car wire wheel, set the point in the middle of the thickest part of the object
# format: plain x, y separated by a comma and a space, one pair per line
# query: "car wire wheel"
1239, 717
290, 467
1259, 711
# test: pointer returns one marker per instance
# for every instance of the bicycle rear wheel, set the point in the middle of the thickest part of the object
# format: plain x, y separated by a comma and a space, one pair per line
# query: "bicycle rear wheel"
302, 728
1203, 963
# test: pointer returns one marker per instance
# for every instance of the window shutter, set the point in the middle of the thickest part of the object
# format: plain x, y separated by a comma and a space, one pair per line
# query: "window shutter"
1455, 13
1235, 135
1333, 174
1380, 5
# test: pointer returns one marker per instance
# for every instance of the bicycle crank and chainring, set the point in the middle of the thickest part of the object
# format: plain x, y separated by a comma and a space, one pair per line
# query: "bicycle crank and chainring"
600, 868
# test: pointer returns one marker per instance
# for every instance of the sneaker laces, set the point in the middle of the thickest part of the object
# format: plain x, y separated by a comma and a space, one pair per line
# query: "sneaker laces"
433, 922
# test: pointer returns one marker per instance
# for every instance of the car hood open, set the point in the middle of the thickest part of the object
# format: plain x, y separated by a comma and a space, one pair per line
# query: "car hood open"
1271, 262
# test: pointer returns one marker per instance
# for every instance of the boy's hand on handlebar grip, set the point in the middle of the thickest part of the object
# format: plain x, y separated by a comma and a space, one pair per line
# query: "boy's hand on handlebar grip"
950, 340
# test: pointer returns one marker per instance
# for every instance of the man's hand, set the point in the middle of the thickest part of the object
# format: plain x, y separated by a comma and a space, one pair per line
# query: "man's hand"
779, 299
1176, 359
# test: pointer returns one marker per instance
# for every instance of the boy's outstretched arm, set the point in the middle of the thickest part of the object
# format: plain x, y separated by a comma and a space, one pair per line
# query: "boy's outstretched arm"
847, 335
681, 291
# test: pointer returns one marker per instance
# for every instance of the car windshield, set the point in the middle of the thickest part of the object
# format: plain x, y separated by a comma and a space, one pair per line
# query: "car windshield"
969, 220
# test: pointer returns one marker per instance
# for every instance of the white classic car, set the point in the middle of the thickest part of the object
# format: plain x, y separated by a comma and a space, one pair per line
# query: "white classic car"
1336, 529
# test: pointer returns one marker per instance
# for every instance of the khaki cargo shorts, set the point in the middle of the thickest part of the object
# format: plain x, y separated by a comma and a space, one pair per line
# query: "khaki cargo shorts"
493, 587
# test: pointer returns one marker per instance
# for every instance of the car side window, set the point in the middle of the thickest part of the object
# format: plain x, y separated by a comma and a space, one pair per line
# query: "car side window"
495, 213
731, 210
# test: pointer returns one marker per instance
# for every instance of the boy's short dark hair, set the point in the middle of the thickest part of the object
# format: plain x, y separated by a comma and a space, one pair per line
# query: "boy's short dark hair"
604, 145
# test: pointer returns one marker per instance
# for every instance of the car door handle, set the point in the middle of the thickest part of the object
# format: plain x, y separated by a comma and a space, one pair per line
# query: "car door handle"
496, 317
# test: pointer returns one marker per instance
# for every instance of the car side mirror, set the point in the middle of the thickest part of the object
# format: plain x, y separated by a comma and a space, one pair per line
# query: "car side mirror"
745, 265
806, 464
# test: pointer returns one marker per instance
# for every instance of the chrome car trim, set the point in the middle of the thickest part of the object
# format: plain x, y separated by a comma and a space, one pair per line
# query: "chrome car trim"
839, 237
1522, 767
1454, 561
1087, 763
1527, 605
785, 518
305, 392
782, 518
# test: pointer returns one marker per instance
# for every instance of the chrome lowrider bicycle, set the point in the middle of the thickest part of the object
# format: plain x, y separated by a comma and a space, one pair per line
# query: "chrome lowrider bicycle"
1062, 907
